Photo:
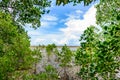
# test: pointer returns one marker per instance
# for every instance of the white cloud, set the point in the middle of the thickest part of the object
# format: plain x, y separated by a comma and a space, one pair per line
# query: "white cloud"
78, 25
75, 27
33, 33
71, 33
58, 39
79, 11
74, 15
39, 40
47, 39
49, 18
48, 21
46, 24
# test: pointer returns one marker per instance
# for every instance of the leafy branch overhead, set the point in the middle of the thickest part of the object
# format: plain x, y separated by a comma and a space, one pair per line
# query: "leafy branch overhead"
25, 11
75, 2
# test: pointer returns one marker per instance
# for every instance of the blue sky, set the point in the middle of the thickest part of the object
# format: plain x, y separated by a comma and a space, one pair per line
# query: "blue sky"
63, 25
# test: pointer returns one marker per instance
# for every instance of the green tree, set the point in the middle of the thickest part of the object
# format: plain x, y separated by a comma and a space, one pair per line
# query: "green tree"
50, 49
16, 58
108, 17
98, 55
105, 46
86, 54
50, 73
25, 11
65, 58
9, 38
15, 54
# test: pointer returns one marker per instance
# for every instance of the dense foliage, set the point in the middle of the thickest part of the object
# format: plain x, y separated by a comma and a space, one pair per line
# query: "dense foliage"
16, 58
15, 53
85, 55
99, 54
25, 11
75, 2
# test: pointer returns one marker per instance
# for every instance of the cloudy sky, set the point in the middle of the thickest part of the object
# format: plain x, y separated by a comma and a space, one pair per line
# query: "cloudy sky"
63, 25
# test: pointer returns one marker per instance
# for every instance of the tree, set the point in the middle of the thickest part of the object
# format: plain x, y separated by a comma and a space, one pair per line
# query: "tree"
50, 73
98, 55
105, 47
25, 11
8, 39
109, 19
65, 58
50, 49
15, 54
16, 58
86, 54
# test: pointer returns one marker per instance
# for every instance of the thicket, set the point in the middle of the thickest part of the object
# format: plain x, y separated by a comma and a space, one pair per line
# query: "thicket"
98, 55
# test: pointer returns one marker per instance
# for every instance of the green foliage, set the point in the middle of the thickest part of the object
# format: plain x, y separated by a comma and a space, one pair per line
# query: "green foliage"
25, 11
16, 58
100, 50
86, 56
65, 56
37, 54
98, 58
75, 2
49, 74
110, 25
108, 11
15, 54
50, 48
